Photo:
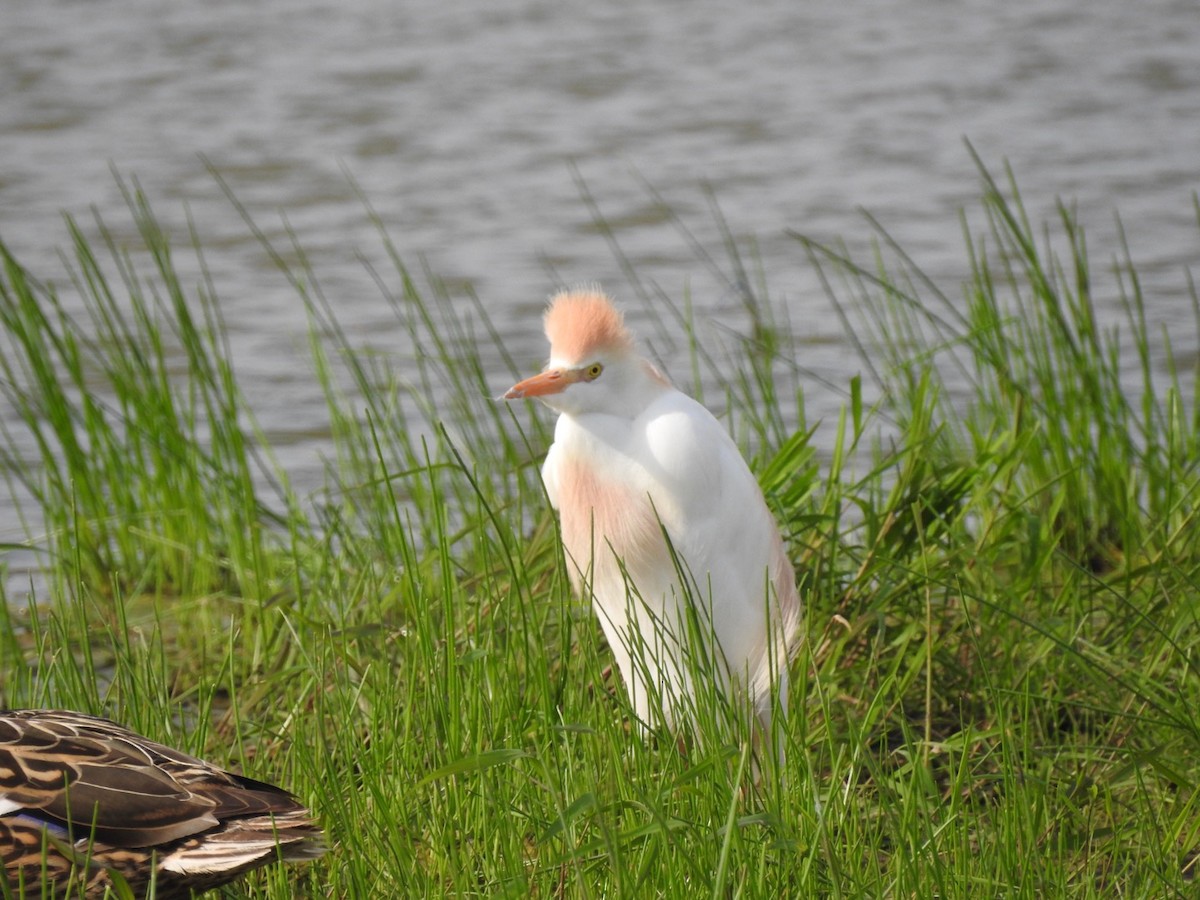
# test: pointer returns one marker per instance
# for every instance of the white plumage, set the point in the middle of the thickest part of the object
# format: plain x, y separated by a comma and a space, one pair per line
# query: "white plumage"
661, 517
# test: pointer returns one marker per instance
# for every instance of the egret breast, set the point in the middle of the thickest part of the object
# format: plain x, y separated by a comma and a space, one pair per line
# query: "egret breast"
603, 520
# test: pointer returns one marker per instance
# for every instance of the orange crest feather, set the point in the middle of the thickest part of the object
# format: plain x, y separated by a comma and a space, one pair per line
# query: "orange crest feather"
581, 322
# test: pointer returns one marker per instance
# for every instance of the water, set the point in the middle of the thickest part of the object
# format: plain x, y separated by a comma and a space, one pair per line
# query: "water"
462, 122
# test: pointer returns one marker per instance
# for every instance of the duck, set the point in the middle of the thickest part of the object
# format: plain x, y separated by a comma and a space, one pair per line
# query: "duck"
86, 804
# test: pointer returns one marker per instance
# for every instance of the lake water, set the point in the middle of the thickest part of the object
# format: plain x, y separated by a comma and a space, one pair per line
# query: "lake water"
464, 124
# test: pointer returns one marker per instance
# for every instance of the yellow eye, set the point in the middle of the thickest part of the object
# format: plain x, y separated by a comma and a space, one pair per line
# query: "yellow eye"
592, 372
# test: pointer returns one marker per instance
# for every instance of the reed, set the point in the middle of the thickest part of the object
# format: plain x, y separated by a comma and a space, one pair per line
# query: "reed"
998, 691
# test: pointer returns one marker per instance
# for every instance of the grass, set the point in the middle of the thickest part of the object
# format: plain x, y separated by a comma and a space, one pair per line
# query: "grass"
998, 693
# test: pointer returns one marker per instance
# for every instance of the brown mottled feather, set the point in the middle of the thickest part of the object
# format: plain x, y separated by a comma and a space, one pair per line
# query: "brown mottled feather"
80, 796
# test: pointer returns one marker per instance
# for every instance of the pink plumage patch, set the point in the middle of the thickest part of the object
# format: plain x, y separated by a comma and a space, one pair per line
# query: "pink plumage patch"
579, 323
604, 521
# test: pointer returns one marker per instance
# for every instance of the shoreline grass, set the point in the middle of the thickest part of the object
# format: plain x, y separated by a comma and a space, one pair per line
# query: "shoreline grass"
998, 695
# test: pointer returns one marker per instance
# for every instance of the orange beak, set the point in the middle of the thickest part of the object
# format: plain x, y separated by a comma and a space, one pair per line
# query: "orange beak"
551, 381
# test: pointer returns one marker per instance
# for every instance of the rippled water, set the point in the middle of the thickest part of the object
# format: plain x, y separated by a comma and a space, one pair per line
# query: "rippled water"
462, 121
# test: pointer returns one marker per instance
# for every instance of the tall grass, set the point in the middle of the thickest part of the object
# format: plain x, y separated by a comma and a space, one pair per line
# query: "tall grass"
145, 460
997, 695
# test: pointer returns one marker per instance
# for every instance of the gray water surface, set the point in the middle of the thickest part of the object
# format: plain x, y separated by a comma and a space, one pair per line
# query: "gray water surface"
465, 122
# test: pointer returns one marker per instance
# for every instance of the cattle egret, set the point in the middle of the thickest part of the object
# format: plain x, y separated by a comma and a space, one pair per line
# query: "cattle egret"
662, 522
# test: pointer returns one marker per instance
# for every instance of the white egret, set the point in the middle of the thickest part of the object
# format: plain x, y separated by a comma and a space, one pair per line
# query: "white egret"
662, 521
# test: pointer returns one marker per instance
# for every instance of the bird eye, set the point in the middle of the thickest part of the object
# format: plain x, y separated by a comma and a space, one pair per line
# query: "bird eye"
593, 371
